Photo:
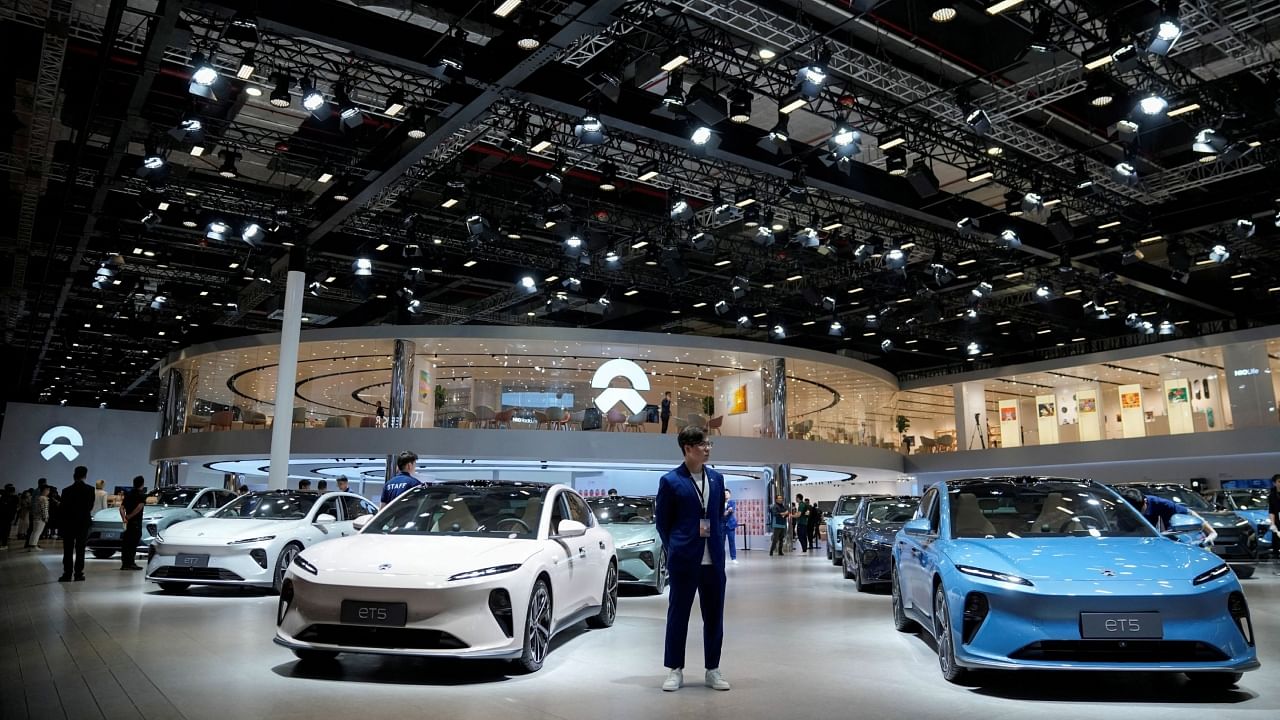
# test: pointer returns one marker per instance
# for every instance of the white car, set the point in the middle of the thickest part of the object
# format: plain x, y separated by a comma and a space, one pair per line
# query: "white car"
252, 540
164, 507
483, 569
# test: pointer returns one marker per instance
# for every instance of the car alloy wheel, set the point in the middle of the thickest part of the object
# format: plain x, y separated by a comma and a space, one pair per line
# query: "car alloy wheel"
287, 555
609, 601
945, 638
900, 621
846, 567
858, 569
660, 574
537, 627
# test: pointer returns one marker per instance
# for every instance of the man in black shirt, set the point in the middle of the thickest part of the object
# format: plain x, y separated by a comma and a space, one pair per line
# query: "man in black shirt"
131, 513
8, 510
77, 510
1273, 510
665, 413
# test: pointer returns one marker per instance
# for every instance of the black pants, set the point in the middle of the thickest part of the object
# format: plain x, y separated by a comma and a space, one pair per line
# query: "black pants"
73, 545
813, 535
129, 540
6, 528
779, 537
802, 532
665, 419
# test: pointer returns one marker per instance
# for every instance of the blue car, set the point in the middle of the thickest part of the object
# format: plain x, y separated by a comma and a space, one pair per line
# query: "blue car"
846, 507
867, 537
1027, 572
1250, 504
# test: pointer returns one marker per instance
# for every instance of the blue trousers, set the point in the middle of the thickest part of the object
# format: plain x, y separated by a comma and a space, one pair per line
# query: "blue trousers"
730, 536
708, 582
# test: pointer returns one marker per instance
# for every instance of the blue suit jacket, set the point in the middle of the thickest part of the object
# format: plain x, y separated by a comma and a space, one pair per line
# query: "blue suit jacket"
677, 512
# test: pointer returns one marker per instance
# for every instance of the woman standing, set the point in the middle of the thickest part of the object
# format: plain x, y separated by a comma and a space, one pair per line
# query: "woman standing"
24, 514
100, 496
39, 517
382, 415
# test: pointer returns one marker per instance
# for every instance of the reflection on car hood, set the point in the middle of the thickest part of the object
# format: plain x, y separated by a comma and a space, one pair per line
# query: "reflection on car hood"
428, 556
1224, 519
1085, 558
885, 530
624, 533
153, 512
225, 529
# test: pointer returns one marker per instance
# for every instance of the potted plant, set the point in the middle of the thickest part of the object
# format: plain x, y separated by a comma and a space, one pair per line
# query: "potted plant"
439, 396
708, 405
903, 423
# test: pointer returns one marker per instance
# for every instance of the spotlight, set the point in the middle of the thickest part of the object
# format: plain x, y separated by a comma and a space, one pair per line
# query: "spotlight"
228, 168
251, 233
680, 209
417, 124
1130, 255
590, 131
1009, 240
1043, 292
1132, 320
1125, 174
896, 163
349, 114
203, 72
604, 301
1219, 253
981, 290
312, 99
315, 288
807, 237
280, 96
573, 245
528, 283
836, 329
1153, 104
1166, 328
764, 236
700, 136
157, 303
1099, 90
844, 140
701, 240
871, 321
973, 348
828, 303
673, 98
739, 287
1244, 228
895, 259
810, 79
943, 14
743, 322
886, 345
1032, 202
779, 332
740, 100
1209, 142
150, 220
978, 121
1164, 35
572, 283
612, 259
971, 314
721, 307
362, 267
968, 225
778, 140
478, 228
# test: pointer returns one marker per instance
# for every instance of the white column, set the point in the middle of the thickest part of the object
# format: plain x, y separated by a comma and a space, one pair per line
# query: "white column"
286, 381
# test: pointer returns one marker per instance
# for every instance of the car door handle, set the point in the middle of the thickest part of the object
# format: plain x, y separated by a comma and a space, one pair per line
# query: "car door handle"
582, 552
601, 544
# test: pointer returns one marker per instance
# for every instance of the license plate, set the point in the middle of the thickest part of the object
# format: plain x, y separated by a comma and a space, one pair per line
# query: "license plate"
110, 535
363, 612
1136, 626
188, 560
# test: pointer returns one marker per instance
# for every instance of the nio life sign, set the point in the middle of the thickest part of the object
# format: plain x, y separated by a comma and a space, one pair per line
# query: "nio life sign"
61, 440
610, 396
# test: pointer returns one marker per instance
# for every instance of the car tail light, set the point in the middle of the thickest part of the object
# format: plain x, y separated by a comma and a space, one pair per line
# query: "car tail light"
500, 606
286, 599
646, 557
976, 608
1239, 610
259, 556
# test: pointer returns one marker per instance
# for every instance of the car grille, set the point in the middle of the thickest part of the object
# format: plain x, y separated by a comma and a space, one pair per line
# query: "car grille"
194, 573
1113, 651
381, 637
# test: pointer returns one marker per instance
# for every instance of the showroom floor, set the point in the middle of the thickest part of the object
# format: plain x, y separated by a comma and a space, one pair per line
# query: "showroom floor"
800, 642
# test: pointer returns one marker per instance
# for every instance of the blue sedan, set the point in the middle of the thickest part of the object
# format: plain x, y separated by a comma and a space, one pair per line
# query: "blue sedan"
1011, 573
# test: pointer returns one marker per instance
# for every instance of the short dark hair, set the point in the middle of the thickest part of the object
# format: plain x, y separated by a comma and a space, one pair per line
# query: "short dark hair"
613, 491
1134, 496
344, 479
139, 481
81, 472
322, 484
405, 458
244, 488
799, 497
304, 483
1275, 477
690, 436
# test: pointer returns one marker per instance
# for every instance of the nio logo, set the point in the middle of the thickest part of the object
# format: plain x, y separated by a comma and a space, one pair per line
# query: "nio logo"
619, 368
384, 567
51, 437
1124, 625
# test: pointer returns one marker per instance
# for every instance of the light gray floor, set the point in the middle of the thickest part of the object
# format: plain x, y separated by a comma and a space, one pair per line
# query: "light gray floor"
800, 643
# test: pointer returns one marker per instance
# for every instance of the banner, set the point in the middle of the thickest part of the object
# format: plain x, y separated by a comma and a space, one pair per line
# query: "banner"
1010, 428
1087, 415
1047, 419
1133, 422
1177, 396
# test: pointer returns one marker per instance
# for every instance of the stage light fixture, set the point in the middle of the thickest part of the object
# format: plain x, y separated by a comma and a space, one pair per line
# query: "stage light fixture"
981, 290
362, 267
1166, 31
1167, 328
280, 95
779, 331
1244, 228
740, 100
886, 345
973, 348
1219, 253
1153, 104
228, 168
743, 322
777, 140
1032, 202
1125, 174
895, 258
590, 131
978, 121
1009, 239
251, 233
203, 72
416, 125
739, 287
674, 96
1209, 142
608, 176
896, 163
1043, 292
312, 99
680, 210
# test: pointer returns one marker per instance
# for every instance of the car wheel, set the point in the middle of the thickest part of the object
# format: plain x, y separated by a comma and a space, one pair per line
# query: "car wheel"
537, 628
1214, 680
846, 567
608, 602
857, 571
174, 587
313, 656
287, 555
1243, 571
900, 621
946, 641
103, 554
660, 574
837, 558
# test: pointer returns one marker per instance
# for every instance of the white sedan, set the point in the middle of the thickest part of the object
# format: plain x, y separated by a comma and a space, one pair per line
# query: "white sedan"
483, 569
252, 540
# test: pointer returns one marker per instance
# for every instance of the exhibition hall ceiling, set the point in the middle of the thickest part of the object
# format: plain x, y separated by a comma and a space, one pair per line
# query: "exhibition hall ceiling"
929, 186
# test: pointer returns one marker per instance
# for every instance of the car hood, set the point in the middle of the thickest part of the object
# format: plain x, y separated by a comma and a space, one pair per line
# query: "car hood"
214, 529
434, 557
152, 513
1085, 558
1253, 516
885, 531
624, 533
1225, 519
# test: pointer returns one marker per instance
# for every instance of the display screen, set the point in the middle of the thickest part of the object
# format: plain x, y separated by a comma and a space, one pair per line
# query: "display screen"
539, 400
622, 510
999, 509
500, 510
269, 506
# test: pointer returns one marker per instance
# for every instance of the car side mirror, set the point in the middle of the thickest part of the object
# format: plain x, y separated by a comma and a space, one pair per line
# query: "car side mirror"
359, 523
1182, 522
571, 528
917, 527
325, 519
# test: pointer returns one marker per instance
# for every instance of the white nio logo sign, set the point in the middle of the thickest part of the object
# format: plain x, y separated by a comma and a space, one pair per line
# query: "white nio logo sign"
608, 396
61, 440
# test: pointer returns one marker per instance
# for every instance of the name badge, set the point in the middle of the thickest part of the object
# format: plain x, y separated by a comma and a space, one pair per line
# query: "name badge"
704, 528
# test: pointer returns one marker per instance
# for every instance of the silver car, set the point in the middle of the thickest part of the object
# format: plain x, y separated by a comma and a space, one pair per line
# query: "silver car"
164, 507
642, 560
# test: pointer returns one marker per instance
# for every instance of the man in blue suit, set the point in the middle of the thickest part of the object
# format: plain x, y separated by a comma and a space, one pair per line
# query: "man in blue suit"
689, 514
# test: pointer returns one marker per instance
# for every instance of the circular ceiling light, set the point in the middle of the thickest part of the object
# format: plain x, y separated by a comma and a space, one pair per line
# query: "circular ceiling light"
253, 91
944, 14
529, 43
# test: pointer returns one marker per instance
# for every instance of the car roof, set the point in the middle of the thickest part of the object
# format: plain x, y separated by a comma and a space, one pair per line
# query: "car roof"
619, 497
1015, 480
478, 483
892, 497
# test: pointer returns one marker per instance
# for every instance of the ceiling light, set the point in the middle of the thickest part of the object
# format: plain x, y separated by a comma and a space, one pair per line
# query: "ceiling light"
590, 131
1219, 253
312, 99
1164, 36
1153, 104
1183, 110
944, 14
417, 124
1001, 6
979, 173
506, 8
203, 72
280, 96
740, 100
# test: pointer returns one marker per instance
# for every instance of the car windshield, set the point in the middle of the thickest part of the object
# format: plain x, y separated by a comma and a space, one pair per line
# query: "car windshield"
177, 497
269, 506
478, 510
1248, 499
618, 510
1182, 496
847, 506
891, 511
1007, 509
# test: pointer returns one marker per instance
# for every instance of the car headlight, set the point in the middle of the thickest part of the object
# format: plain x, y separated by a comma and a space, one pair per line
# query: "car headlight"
246, 541
1213, 574
302, 563
495, 570
993, 575
636, 544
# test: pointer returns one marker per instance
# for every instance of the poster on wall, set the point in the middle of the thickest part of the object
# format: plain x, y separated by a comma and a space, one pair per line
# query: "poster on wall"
1087, 413
738, 402
425, 391
1133, 421
1010, 429
1177, 395
1047, 419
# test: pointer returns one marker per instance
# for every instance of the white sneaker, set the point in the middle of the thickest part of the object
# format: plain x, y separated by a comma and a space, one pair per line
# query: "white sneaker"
735, 561
716, 681
675, 678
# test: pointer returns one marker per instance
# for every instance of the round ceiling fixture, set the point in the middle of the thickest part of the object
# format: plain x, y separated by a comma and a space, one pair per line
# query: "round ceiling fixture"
944, 14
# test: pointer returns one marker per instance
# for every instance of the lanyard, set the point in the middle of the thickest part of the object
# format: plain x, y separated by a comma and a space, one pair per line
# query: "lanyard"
701, 490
